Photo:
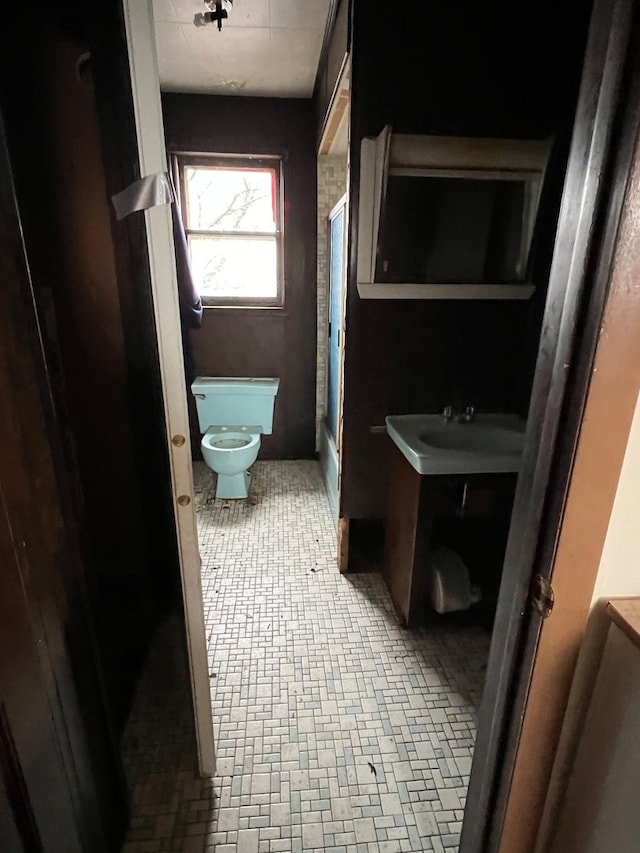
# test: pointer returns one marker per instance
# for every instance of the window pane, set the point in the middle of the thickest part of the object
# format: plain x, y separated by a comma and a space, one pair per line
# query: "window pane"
230, 199
235, 266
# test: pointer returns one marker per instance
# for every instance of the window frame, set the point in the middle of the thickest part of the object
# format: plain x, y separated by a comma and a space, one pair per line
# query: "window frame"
181, 160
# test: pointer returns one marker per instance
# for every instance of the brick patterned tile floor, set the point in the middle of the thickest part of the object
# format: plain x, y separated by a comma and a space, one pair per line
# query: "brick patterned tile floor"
336, 729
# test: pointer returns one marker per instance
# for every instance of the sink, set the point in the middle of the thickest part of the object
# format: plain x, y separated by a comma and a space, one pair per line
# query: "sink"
490, 444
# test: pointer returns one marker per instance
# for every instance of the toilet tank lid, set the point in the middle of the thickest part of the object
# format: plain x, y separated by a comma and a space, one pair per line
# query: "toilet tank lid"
234, 385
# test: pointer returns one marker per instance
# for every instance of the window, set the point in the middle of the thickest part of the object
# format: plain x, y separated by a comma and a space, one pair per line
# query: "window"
232, 215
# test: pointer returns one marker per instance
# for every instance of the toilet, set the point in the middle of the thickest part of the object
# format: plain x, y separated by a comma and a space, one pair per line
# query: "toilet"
233, 413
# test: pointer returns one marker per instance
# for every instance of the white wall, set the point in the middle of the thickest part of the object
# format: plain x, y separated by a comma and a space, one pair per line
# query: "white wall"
619, 572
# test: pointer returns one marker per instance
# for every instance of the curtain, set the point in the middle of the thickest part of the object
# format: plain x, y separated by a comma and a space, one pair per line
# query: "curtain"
189, 300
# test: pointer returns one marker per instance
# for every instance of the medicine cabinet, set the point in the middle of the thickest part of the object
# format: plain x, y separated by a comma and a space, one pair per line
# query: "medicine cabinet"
448, 217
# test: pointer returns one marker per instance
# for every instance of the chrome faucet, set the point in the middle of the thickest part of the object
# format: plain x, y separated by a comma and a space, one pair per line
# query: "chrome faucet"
466, 417
447, 414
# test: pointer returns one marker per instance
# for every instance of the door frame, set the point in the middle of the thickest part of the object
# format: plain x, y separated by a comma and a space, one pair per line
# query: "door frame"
338, 111
330, 446
145, 87
558, 355
573, 313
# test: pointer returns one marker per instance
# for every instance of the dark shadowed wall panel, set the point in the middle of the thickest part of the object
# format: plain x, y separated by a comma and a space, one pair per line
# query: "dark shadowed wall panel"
56, 151
263, 341
58, 762
87, 309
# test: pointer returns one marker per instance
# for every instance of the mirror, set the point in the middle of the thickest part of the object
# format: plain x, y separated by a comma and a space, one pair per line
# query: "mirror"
448, 217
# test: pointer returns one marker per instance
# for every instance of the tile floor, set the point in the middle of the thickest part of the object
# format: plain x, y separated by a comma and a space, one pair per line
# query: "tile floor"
336, 730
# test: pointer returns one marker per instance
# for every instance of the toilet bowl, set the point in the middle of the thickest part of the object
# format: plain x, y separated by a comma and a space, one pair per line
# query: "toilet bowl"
230, 451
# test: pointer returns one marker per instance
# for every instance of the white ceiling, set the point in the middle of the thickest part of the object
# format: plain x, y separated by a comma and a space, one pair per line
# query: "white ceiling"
268, 48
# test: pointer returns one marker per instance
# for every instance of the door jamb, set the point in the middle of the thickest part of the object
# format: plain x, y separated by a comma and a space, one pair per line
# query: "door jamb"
145, 86
547, 426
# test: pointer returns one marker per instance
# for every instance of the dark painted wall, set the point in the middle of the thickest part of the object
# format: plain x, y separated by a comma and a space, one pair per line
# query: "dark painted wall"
263, 341
458, 68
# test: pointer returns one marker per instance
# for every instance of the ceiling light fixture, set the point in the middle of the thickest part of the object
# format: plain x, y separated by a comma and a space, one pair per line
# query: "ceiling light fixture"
217, 13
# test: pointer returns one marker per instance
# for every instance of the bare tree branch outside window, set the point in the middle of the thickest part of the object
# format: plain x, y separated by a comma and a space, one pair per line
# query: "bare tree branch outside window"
233, 234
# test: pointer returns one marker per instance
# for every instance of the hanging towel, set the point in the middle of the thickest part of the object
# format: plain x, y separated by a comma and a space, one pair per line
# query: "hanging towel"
190, 301
149, 192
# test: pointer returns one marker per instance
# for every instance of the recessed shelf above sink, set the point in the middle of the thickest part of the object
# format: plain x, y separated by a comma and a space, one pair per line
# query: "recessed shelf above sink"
490, 444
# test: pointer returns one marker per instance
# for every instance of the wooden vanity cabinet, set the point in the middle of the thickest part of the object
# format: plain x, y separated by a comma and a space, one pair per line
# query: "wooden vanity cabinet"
415, 503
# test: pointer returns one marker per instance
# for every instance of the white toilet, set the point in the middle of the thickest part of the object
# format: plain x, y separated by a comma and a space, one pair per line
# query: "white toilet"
233, 414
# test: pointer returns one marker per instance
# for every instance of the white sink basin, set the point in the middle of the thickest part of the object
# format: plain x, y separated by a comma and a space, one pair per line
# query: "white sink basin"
490, 444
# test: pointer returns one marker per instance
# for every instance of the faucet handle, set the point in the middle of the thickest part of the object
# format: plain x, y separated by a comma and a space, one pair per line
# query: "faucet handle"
447, 413
469, 413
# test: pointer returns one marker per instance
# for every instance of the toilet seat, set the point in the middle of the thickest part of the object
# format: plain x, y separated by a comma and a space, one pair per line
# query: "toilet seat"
235, 427
228, 438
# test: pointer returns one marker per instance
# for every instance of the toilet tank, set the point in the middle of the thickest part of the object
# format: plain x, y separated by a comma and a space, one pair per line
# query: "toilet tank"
231, 401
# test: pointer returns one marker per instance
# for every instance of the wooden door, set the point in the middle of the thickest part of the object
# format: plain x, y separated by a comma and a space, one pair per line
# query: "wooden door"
145, 85
49, 780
